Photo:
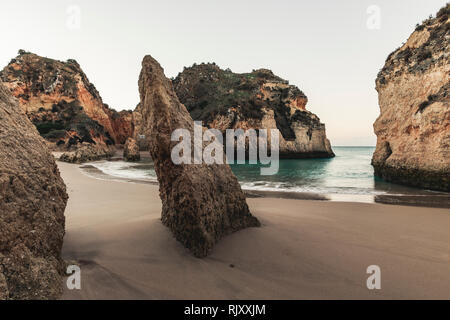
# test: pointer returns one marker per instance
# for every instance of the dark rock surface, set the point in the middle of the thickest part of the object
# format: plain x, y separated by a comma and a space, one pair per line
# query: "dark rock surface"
87, 152
201, 203
32, 202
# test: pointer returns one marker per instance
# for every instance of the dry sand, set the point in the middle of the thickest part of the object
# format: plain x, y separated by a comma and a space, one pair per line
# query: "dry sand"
305, 249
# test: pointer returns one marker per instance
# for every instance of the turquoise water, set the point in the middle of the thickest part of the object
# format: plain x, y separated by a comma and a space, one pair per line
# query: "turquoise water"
349, 173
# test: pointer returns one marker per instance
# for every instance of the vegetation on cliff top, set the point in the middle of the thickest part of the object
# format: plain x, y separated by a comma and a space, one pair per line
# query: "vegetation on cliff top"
423, 57
208, 91
39, 76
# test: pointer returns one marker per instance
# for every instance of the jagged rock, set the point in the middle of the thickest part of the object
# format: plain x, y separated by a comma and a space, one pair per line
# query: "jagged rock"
131, 150
87, 152
258, 100
413, 129
64, 106
141, 130
32, 202
200, 203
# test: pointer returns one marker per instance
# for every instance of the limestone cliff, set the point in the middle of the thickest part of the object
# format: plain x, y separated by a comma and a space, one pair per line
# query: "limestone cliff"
32, 203
64, 106
413, 128
259, 100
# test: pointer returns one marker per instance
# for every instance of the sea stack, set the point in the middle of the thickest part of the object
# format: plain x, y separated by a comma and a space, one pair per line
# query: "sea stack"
256, 100
131, 151
413, 129
200, 203
32, 202
65, 107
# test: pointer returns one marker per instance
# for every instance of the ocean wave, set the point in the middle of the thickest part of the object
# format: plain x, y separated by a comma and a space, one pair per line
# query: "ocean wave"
126, 170
283, 187
347, 177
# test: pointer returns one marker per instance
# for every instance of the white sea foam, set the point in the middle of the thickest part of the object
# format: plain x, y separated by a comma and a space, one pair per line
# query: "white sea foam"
350, 173
136, 171
283, 187
125, 170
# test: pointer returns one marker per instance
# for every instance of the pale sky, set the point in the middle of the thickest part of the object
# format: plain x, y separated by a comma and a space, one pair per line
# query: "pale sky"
323, 46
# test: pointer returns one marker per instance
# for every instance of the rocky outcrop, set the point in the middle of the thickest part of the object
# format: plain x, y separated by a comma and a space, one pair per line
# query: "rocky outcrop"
413, 128
122, 124
257, 100
64, 106
131, 151
87, 152
141, 131
200, 203
4, 292
32, 203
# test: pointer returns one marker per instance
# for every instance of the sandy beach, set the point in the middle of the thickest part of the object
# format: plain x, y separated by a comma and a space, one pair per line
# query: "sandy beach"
306, 249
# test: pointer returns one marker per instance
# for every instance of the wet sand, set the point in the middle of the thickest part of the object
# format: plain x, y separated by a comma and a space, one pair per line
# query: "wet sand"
306, 249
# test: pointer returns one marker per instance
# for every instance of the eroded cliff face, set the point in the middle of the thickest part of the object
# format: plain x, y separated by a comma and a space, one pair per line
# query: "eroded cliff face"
64, 106
257, 100
200, 203
32, 202
122, 124
413, 128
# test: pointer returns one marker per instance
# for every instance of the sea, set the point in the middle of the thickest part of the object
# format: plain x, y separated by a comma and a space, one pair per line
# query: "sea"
347, 177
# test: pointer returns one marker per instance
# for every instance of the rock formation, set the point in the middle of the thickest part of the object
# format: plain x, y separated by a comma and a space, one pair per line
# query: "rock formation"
259, 100
413, 128
141, 130
200, 203
32, 203
122, 124
87, 152
131, 150
64, 106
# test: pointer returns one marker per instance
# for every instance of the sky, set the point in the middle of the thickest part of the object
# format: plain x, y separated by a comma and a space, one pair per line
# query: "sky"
332, 50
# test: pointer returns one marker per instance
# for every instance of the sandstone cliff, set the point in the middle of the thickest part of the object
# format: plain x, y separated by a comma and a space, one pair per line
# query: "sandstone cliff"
32, 203
64, 106
122, 124
413, 128
259, 100
200, 203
